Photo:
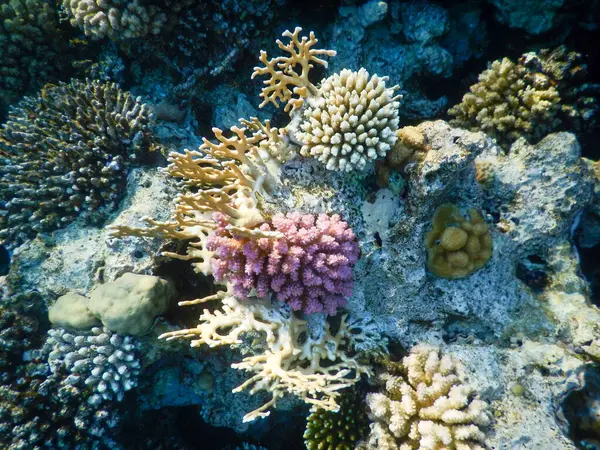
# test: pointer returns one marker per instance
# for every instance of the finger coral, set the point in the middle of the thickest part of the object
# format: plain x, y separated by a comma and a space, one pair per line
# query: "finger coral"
424, 404
352, 119
66, 153
457, 247
305, 260
312, 366
116, 19
509, 102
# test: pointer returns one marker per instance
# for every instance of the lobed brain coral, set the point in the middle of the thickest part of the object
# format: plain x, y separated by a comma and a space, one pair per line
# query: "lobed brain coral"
457, 247
424, 404
65, 153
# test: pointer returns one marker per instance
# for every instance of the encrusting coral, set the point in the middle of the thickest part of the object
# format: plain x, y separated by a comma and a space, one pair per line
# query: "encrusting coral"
308, 266
66, 153
457, 247
424, 404
294, 360
32, 49
341, 430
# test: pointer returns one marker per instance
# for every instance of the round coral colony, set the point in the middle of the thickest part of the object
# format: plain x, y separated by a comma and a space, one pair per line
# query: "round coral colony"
457, 247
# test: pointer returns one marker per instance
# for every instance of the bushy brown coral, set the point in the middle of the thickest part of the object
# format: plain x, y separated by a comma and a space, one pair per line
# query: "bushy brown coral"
457, 247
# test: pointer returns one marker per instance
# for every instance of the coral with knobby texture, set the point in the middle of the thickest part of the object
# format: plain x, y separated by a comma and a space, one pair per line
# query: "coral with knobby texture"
18, 333
313, 365
101, 360
289, 82
341, 430
305, 260
457, 247
117, 19
424, 404
227, 177
509, 102
32, 49
352, 119
130, 304
66, 153
411, 147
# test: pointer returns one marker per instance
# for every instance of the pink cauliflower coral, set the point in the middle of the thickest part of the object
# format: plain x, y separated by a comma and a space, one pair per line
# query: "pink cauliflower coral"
310, 268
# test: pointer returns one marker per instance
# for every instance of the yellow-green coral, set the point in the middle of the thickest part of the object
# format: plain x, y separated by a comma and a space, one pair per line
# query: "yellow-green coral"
328, 430
509, 102
457, 247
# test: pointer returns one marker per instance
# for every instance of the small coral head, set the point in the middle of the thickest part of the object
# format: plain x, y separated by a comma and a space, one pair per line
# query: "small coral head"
304, 259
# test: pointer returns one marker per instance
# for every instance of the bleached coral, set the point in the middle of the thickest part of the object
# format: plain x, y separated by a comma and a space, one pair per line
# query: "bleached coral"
425, 405
352, 119
100, 359
313, 366
117, 19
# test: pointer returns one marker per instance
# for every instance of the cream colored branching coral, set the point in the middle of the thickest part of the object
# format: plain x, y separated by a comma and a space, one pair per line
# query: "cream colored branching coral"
227, 176
346, 121
294, 360
425, 405
290, 70
353, 120
117, 19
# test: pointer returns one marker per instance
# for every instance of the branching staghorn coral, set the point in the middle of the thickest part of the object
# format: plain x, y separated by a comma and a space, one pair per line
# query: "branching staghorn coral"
425, 405
312, 367
66, 153
348, 120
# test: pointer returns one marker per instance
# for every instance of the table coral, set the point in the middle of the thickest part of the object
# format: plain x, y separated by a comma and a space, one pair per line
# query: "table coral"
457, 247
424, 404
66, 153
307, 263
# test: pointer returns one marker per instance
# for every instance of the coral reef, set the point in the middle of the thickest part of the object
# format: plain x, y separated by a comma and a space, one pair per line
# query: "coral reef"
100, 360
32, 49
66, 153
425, 404
305, 260
313, 367
457, 247
328, 430
533, 17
